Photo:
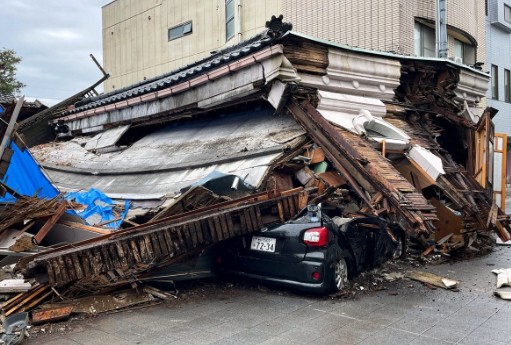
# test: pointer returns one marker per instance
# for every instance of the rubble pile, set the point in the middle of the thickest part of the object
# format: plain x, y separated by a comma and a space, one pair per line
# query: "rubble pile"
189, 164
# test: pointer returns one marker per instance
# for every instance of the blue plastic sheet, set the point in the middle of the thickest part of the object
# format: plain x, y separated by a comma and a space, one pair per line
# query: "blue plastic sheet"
99, 207
26, 178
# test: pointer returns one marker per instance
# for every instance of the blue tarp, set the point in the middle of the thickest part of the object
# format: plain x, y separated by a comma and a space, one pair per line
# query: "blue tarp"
25, 177
99, 207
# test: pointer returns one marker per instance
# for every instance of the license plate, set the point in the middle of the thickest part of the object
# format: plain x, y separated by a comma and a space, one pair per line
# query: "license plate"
263, 244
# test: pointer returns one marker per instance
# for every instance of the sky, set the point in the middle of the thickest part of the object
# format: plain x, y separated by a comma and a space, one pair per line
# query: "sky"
54, 38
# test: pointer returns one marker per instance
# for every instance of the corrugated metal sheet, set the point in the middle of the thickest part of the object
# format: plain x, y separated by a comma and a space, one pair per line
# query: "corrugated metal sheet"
106, 139
165, 161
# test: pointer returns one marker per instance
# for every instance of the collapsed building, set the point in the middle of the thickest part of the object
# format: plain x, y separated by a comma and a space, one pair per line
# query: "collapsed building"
252, 134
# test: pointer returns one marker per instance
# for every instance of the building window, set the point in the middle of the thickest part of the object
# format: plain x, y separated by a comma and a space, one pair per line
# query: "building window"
180, 30
494, 82
464, 53
507, 13
424, 39
229, 19
507, 85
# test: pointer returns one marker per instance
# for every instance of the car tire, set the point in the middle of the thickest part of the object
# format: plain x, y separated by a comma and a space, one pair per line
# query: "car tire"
339, 275
400, 248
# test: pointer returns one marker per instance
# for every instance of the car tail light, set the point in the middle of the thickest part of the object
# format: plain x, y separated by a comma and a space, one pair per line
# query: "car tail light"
317, 237
316, 276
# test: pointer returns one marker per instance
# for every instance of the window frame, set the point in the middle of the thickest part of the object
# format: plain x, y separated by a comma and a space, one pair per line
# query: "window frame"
494, 82
507, 85
423, 31
186, 29
229, 20
468, 52
507, 13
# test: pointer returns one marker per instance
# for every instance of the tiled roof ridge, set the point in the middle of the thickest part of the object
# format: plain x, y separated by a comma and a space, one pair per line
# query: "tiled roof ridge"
255, 43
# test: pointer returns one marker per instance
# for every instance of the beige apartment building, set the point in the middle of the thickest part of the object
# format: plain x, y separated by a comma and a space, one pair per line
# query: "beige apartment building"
146, 38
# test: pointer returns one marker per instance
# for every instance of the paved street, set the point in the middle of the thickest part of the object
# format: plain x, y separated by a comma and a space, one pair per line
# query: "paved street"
406, 313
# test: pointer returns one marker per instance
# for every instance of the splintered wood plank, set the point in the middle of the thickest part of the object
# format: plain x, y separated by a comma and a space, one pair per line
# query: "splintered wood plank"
106, 258
28, 298
192, 234
252, 218
139, 240
502, 232
205, 231
169, 242
243, 223
155, 244
120, 254
135, 251
51, 273
225, 224
130, 256
178, 231
96, 262
492, 215
150, 250
212, 230
218, 228
45, 229
162, 242
77, 265
112, 251
63, 270
248, 219
230, 225
85, 263
113, 259
223, 227
432, 279
187, 236
198, 231
70, 267
303, 199
280, 207
258, 218
51, 314
292, 206
178, 245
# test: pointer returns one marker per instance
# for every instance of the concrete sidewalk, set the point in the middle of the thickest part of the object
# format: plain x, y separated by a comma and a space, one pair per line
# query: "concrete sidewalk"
407, 313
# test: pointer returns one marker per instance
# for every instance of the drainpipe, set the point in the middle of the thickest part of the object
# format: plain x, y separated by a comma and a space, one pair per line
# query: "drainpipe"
239, 21
440, 29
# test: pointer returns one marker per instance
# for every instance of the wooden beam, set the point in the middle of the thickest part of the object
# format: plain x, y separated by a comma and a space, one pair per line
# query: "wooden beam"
50, 223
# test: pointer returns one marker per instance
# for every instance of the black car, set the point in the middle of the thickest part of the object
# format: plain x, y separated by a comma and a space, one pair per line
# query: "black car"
313, 253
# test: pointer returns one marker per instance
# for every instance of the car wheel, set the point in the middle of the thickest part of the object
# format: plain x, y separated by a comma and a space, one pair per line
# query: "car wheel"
340, 275
399, 251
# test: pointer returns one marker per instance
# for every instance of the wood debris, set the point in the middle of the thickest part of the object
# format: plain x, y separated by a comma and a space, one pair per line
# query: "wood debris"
432, 279
27, 208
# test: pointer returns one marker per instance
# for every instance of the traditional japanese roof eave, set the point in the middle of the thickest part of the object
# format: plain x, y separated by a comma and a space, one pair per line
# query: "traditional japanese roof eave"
471, 87
239, 78
382, 53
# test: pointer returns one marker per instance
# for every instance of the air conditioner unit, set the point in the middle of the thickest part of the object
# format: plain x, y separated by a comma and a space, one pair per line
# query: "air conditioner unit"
458, 59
